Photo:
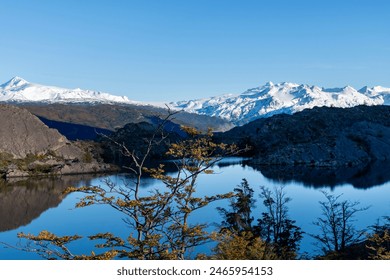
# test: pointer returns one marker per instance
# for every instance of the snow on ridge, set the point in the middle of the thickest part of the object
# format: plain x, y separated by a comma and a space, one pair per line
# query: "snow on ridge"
19, 90
288, 98
14, 82
254, 103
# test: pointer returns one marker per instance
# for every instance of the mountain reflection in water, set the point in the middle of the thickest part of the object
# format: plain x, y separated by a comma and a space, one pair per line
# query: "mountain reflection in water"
22, 201
362, 177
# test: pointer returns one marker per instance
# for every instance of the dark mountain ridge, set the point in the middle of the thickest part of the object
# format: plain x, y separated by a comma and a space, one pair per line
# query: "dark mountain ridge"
115, 116
74, 131
322, 137
135, 137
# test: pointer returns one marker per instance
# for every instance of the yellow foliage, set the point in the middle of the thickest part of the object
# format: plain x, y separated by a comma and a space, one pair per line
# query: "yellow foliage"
379, 246
243, 246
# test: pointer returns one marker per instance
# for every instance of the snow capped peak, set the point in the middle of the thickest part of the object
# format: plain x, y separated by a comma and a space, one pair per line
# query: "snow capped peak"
19, 90
285, 97
254, 103
348, 88
15, 82
288, 84
380, 89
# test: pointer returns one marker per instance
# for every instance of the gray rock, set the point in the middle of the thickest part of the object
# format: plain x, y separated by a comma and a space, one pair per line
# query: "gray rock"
29, 148
21, 133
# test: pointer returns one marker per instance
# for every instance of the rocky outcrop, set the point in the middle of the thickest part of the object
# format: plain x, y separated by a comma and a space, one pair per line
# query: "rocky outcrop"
21, 134
28, 147
322, 137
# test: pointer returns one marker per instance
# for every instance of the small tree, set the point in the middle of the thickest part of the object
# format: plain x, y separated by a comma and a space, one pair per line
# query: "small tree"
239, 218
337, 231
276, 227
276, 233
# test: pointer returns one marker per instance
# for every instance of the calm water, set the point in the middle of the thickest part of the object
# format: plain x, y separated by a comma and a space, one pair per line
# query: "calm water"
36, 205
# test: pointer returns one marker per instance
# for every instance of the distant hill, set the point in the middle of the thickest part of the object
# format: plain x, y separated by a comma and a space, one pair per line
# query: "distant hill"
326, 137
115, 116
135, 137
76, 131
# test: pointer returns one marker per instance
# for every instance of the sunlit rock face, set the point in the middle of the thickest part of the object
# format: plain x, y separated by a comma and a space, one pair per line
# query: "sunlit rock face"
21, 133
29, 148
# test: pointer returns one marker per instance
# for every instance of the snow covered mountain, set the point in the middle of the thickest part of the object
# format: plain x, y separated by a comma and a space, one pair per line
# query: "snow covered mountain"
19, 90
239, 109
288, 98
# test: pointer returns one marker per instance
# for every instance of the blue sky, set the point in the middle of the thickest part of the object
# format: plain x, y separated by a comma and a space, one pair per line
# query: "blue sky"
175, 50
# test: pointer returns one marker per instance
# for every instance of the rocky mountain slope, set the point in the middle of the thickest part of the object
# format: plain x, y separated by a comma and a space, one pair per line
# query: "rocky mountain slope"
29, 147
326, 137
115, 116
22, 133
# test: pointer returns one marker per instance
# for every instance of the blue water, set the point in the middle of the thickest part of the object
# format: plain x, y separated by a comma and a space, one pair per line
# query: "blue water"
63, 218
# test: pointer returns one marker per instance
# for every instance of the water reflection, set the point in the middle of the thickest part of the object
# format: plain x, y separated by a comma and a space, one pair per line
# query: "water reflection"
22, 201
362, 177
25, 200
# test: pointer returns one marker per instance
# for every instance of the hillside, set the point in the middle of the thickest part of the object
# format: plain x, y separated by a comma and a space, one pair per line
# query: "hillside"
326, 137
22, 133
74, 131
114, 116
28, 147
135, 136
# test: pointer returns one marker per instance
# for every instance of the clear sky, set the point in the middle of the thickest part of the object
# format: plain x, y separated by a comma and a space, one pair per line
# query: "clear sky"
172, 50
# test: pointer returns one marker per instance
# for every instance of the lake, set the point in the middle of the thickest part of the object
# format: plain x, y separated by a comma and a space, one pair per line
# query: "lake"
38, 204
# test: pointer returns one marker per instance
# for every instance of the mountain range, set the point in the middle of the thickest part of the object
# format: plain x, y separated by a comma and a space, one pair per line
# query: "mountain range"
21, 91
264, 101
287, 98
